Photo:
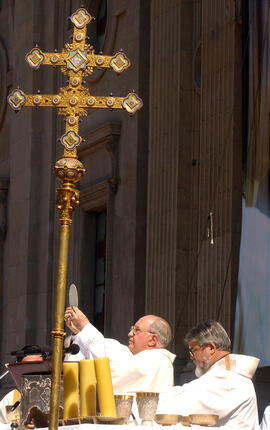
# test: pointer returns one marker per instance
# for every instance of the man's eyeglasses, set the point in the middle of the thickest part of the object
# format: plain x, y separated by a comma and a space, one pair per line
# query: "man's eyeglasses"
137, 330
192, 351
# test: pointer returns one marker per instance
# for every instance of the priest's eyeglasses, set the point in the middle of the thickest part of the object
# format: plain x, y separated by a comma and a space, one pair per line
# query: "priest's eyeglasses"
137, 330
192, 351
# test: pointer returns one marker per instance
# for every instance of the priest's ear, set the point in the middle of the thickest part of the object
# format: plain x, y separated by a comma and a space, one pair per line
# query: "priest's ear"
211, 347
153, 341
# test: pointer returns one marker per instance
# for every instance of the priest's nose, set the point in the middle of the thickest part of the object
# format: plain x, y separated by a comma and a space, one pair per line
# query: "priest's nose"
131, 332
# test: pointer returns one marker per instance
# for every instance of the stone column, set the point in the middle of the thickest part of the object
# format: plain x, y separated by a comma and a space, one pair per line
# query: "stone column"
163, 162
3, 211
4, 184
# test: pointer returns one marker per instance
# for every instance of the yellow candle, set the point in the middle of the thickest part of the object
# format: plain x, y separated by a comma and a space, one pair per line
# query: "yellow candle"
87, 388
71, 390
104, 387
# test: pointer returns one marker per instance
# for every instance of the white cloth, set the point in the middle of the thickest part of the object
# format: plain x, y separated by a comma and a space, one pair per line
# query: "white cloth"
120, 427
149, 370
223, 392
6, 401
265, 424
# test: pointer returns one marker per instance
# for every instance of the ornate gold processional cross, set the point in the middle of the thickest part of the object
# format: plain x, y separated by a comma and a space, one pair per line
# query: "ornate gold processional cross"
77, 60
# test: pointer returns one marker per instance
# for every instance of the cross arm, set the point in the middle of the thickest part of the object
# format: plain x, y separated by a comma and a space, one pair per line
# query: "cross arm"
74, 105
77, 59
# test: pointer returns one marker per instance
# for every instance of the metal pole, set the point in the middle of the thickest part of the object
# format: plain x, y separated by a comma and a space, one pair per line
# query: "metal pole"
67, 199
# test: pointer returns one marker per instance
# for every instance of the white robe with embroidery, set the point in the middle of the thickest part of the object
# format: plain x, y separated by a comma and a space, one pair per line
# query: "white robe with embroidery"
222, 392
149, 370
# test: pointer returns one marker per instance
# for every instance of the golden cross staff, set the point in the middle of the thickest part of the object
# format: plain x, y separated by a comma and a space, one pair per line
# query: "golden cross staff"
77, 60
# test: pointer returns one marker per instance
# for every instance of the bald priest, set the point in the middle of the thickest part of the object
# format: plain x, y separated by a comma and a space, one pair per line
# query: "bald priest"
144, 365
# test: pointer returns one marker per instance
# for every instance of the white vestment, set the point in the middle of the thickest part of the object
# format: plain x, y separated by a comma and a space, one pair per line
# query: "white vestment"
222, 392
8, 400
149, 370
265, 424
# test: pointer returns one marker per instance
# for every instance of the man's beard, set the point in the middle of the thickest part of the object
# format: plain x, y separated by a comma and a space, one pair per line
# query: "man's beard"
202, 368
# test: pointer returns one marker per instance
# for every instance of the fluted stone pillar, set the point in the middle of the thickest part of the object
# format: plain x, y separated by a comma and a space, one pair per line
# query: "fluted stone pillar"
4, 184
163, 165
220, 161
3, 210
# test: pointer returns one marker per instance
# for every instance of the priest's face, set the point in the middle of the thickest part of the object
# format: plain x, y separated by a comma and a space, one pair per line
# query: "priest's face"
200, 357
140, 336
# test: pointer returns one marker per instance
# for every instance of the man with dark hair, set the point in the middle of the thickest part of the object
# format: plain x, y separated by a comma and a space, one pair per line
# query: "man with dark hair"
224, 387
210, 332
145, 365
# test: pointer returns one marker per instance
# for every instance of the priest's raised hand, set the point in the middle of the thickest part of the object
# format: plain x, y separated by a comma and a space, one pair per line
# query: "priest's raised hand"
75, 319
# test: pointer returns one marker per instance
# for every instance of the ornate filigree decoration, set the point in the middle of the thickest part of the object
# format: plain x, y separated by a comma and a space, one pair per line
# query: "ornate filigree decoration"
81, 18
132, 103
34, 58
120, 62
16, 99
77, 60
69, 170
67, 199
58, 333
70, 140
